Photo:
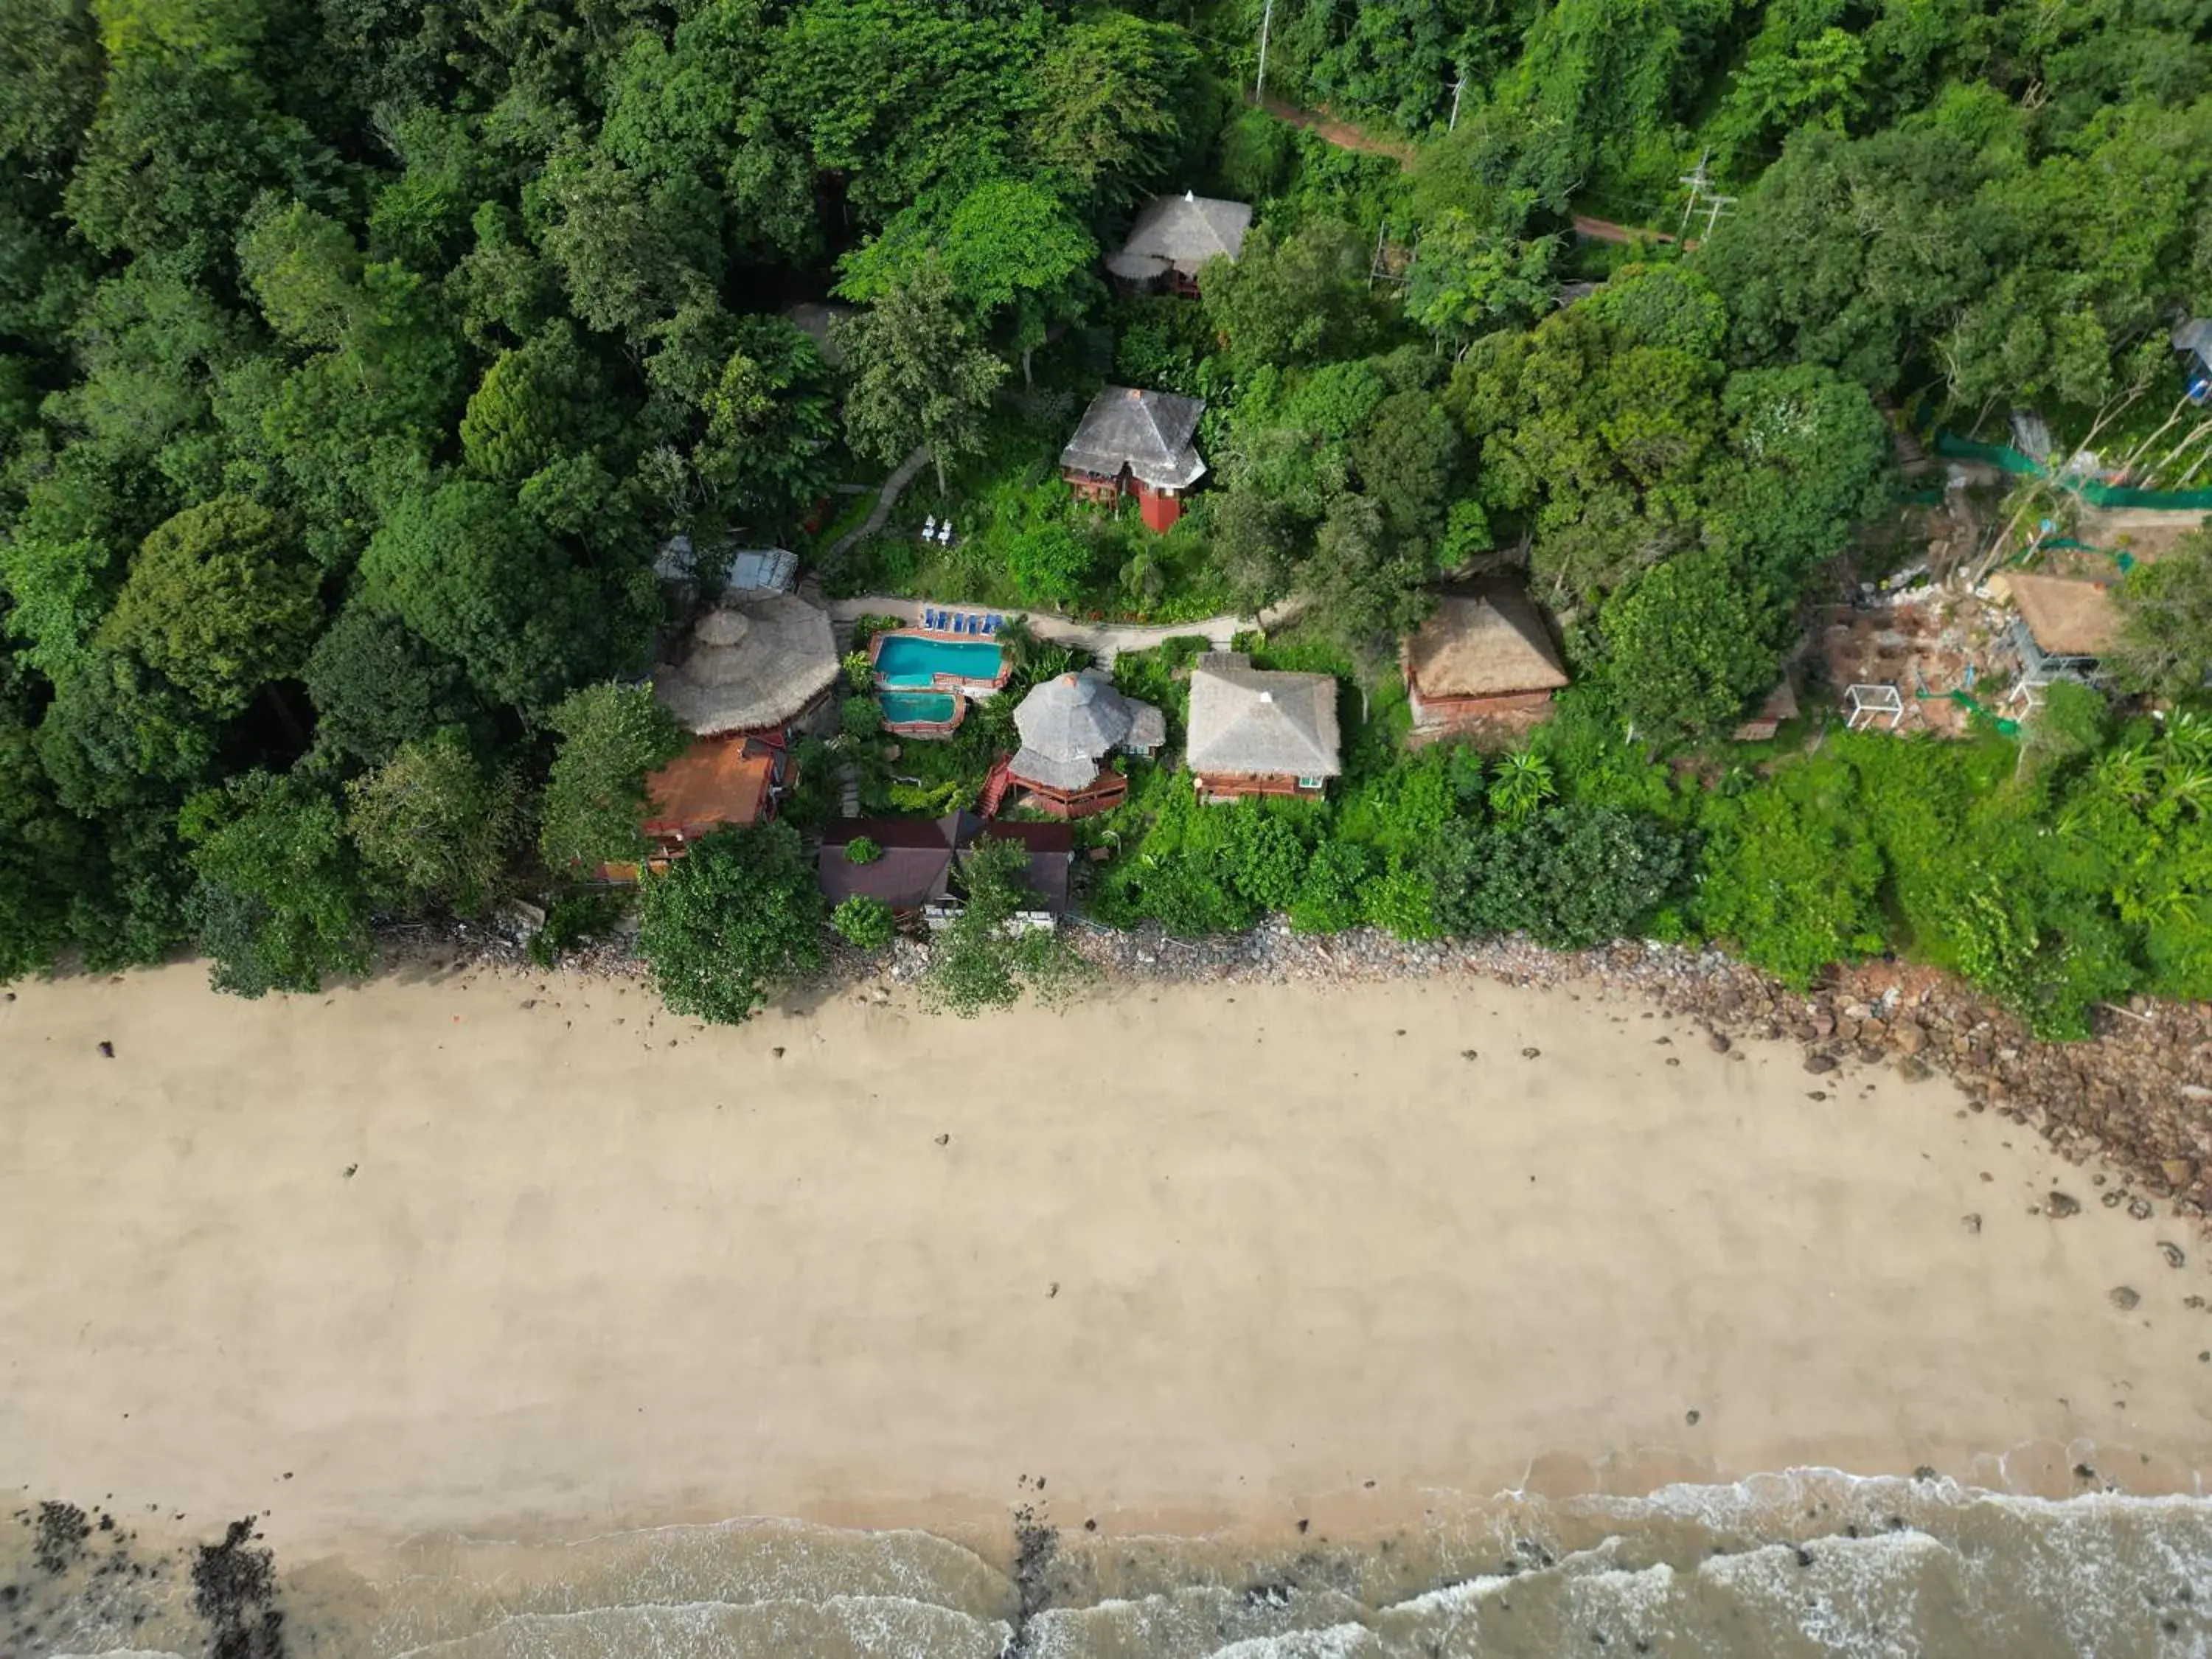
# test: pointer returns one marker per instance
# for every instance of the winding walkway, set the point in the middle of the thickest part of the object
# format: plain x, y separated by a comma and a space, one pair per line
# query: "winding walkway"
885, 498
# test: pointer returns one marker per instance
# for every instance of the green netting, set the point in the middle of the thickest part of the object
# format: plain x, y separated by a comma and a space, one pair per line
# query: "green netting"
2097, 495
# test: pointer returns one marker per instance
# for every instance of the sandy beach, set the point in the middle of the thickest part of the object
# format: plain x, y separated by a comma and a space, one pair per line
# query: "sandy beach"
512, 1254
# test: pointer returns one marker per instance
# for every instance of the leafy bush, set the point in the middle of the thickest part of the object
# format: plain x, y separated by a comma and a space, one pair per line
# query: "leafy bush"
1566, 879
865, 923
735, 916
1330, 896
862, 850
1265, 859
611, 737
982, 961
1790, 878
1404, 901
860, 672
1049, 564
860, 718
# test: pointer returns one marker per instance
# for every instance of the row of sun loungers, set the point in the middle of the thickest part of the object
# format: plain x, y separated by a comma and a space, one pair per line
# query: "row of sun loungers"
960, 622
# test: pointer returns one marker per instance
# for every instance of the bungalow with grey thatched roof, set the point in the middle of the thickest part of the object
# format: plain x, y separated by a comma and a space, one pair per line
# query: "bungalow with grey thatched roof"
1481, 655
1259, 731
1133, 442
1173, 237
755, 664
1069, 724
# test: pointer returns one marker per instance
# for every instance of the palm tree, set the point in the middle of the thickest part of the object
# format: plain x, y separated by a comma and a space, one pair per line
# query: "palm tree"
1523, 787
1018, 640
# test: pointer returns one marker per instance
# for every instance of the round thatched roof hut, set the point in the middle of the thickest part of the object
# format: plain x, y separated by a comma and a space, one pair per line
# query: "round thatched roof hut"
751, 664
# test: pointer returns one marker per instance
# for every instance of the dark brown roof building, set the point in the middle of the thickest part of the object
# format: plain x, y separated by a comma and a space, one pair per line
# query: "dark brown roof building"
918, 854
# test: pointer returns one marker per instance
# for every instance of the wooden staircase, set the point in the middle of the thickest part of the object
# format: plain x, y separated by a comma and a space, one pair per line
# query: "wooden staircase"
995, 785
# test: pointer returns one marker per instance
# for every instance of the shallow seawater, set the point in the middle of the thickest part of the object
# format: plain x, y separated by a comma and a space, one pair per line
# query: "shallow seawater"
1808, 1563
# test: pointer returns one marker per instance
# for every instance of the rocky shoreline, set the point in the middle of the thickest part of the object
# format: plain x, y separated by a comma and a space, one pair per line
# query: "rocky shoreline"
2136, 1095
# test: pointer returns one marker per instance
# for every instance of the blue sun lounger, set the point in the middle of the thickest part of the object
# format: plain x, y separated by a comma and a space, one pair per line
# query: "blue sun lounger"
991, 622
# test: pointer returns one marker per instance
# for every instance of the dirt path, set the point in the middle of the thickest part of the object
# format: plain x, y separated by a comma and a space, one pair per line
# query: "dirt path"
1346, 136
1343, 134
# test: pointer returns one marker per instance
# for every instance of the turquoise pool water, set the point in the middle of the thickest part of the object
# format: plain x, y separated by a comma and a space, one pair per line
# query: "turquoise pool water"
910, 660
914, 708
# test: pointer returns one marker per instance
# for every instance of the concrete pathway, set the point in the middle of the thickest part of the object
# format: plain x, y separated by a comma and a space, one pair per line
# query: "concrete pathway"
885, 498
1105, 640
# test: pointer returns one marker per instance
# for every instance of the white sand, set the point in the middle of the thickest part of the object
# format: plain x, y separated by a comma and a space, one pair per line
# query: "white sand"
583, 1277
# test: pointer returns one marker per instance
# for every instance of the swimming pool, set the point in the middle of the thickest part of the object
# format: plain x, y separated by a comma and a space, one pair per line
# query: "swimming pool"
910, 660
918, 708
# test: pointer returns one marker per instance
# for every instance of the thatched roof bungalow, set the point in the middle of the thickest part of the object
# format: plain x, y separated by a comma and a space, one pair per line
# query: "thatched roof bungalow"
1136, 442
756, 664
1173, 237
1479, 655
1259, 732
1069, 724
2068, 617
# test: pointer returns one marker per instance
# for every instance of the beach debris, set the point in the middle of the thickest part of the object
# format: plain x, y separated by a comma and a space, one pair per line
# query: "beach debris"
1819, 1063
1469, 1053
2125, 1297
2173, 1253
106, 1050
1925, 1472
778, 1052
1913, 1069
1090, 1524
1304, 1522
1804, 1556
1973, 1224
1671, 1060
347, 1174
528, 1003
944, 1140
1690, 1417
2059, 1206
2139, 1209
1816, 1094
1048, 1295
2112, 1201
1718, 1041
1531, 1053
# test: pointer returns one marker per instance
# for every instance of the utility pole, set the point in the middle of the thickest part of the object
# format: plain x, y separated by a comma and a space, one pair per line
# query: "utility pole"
1260, 90
1715, 206
1696, 180
1456, 85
